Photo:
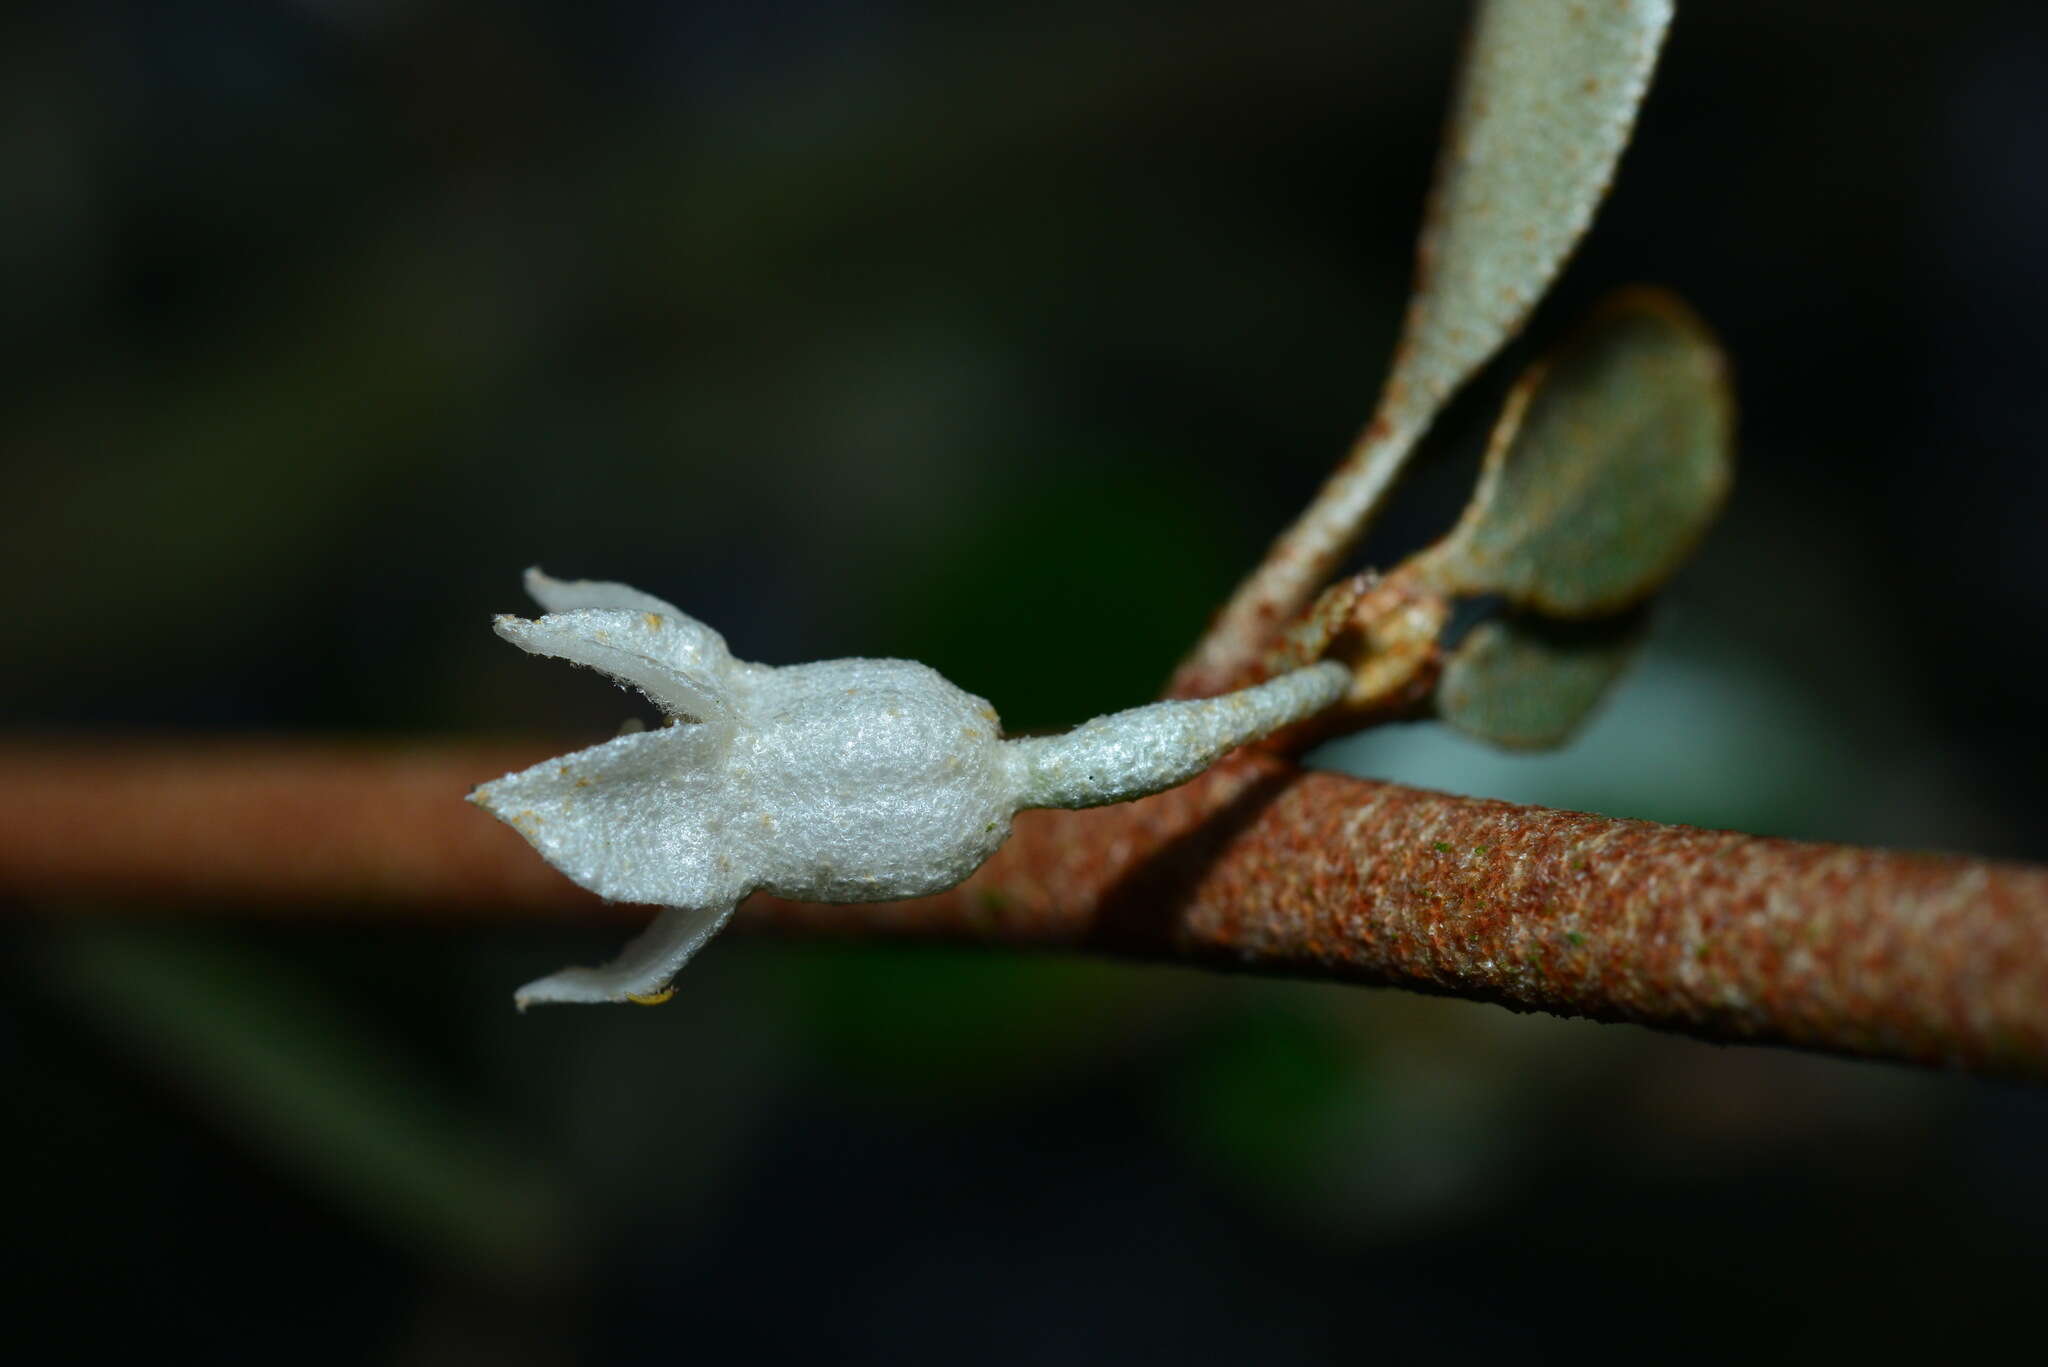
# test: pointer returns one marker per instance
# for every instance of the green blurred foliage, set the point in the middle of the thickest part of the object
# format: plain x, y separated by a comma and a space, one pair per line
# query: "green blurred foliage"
964, 1027
319, 1091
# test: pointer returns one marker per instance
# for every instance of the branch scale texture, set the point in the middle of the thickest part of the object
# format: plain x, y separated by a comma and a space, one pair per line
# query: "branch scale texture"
1257, 864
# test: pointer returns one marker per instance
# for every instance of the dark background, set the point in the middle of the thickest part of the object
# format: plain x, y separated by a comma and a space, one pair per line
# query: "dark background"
1002, 340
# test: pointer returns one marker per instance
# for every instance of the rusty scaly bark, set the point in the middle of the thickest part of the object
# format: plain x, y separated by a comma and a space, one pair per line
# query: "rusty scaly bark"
1258, 864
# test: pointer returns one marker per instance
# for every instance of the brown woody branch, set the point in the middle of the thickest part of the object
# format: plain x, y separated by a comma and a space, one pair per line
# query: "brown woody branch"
1259, 865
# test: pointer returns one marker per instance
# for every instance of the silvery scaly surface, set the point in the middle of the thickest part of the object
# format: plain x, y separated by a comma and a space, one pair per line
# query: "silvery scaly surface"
838, 781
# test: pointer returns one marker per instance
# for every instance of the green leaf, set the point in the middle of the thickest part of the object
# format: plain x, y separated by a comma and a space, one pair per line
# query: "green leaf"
1547, 99
1609, 461
1528, 685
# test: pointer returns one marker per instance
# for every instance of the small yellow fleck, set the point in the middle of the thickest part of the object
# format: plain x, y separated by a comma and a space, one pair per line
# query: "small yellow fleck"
653, 620
650, 998
581, 782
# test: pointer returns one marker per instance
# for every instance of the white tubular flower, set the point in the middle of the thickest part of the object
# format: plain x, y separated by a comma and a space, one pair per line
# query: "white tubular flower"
839, 781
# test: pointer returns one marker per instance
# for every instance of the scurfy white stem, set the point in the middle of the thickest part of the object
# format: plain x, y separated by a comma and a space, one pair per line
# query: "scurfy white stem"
1302, 560
1149, 749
